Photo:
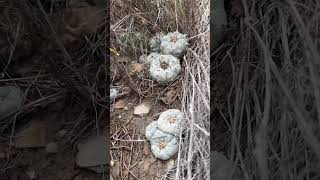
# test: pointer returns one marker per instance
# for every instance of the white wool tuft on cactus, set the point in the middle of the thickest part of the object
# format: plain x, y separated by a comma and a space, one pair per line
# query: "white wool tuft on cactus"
164, 68
170, 121
174, 43
155, 41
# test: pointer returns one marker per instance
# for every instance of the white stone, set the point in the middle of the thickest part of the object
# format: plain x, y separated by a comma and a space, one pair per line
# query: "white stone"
141, 110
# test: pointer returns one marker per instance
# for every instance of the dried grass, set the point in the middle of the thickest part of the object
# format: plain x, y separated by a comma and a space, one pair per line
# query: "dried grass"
274, 104
50, 72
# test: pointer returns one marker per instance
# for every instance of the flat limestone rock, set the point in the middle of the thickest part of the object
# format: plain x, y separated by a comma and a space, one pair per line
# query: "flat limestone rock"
92, 152
141, 110
32, 136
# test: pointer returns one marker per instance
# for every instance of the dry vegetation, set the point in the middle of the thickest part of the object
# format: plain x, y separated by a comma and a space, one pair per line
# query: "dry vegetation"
272, 111
132, 23
56, 55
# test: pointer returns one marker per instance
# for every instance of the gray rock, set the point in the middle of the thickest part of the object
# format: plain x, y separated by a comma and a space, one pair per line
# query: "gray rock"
11, 99
52, 148
32, 136
222, 168
92, 152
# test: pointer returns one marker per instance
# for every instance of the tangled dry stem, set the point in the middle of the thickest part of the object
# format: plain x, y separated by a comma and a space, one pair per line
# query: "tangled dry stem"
274, 103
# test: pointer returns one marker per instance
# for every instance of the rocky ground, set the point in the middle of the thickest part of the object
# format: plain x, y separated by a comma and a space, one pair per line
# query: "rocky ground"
131, 156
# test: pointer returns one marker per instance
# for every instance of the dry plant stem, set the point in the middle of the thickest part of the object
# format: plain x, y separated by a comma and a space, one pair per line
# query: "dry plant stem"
305, 33
131, 148
66, 54
133, 140
23, 78
45, 100
189, 160
304, 127
131, 172
14, 47
129, 80
237, 111
15, 118
261, 136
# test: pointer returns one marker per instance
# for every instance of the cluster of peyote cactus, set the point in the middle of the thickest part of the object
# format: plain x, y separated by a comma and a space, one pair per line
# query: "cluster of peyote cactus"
166, 50
162, 134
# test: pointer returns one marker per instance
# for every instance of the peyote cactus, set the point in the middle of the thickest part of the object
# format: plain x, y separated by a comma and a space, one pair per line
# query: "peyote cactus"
175, 44
150, 129
170, 121
165, 68
148, 59
163, 145
155, 41
162, 134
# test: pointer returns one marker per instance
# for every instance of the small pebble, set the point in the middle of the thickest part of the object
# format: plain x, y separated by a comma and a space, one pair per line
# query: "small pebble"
141, 110
31, 174
52, 148
62, 133
126, 108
